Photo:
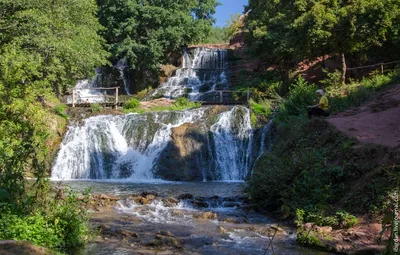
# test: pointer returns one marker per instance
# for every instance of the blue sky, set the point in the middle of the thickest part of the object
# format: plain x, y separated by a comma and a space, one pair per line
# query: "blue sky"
227, 8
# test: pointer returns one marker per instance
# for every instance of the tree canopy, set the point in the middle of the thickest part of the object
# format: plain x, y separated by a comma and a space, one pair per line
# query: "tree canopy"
146, 32
45, 46
289, 31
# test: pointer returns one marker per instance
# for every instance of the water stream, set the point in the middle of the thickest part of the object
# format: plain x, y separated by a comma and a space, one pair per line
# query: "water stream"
201, 73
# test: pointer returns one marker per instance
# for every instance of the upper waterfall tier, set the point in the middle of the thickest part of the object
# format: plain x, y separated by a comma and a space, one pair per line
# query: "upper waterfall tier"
214, 143
202, 72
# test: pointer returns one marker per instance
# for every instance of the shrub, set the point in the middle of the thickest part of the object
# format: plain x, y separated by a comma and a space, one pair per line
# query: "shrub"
300, 96
62, 223
263, 108
60, 110
132, 104
96, 107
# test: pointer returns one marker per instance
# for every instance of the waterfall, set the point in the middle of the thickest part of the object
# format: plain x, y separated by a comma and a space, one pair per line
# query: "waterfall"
203, 73
121, 65
85, 92
233, 136
129, 147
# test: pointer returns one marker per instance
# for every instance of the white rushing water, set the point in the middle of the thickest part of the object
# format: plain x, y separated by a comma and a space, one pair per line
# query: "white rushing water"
121, 66
201, 73
128, 147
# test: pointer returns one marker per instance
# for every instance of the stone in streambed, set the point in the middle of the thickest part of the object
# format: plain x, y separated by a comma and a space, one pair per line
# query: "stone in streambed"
170, 201
126, 233
166, 238
185, 196
206, 216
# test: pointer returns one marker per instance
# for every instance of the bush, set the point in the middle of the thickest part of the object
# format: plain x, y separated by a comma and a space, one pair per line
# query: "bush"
60, 110
263, 108
96, 108
62, 223
301, 95
132, 104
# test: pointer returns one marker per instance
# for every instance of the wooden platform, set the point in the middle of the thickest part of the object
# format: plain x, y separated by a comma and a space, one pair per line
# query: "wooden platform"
106, 105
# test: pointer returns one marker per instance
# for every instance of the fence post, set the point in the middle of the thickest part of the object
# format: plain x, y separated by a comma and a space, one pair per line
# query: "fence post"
73, 98
382, 68
116, 98
221, 97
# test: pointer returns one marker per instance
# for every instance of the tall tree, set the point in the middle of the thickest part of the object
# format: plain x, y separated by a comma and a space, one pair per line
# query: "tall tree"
290, 31
145, 32
45, 46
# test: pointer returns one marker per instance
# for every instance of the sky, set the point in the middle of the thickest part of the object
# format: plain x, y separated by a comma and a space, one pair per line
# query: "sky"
227, 8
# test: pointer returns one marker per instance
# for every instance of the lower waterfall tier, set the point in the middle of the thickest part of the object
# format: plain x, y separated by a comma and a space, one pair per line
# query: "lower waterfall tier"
205, 144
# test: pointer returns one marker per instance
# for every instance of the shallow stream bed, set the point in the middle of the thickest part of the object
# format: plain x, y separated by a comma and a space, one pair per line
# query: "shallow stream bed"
184, 218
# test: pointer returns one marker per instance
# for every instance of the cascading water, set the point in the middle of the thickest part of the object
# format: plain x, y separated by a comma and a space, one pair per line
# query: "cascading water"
129, 147
204, 72
85, 91
121, 65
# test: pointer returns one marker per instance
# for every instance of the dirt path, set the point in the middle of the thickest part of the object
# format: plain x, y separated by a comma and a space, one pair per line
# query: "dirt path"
378, 121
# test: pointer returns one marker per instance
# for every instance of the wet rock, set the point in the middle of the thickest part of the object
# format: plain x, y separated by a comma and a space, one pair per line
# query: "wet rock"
141, 200
222, 230
230, 204
177, 212
151, 197
103, 228
126, 233
236, 220
111, 198
147, 193
200, 203
185, 196
170, 201
206, 216
166, 238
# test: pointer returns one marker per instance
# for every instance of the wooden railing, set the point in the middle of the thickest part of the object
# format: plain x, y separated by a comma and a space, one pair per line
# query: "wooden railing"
225, 97
111, 98
382, 67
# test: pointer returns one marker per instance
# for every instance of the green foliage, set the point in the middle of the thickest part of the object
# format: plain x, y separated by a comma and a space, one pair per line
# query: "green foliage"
217, 35
147, 32
60, 110
61, 224
308, 238
263, 108
132, 104
234, 26
313, 167
340, 219
41, 55
360, 92
300, 97
95, 108
304, 29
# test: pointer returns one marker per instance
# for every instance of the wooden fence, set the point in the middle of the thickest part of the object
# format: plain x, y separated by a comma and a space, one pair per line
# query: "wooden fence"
110, 97
381, 67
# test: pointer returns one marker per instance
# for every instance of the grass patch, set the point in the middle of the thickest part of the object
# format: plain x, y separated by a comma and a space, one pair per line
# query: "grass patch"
60, 110
180, 104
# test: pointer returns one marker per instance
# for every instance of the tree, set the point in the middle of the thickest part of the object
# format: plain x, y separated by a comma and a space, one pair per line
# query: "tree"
295, 30
45, 46
146, 32
345, 27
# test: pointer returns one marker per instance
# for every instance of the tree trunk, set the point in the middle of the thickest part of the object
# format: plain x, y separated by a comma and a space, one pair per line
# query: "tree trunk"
344, 69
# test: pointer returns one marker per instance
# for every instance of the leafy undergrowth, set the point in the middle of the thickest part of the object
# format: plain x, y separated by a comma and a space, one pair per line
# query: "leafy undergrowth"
316, 169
